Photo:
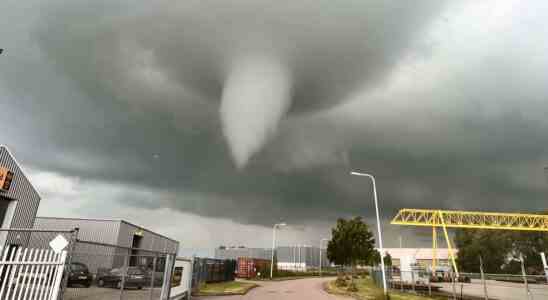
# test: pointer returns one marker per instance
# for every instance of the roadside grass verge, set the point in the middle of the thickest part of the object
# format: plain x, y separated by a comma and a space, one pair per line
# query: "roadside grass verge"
225, 288
367, 290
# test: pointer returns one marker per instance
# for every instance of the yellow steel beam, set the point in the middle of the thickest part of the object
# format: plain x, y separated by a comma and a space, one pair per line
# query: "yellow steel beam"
448, 241
434, 248
467, 219
471, 219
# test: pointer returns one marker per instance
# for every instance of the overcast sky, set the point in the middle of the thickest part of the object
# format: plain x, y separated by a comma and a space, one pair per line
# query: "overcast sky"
209, 121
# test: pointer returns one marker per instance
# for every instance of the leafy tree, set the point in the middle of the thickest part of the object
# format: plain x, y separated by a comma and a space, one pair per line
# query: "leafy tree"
388, 260
375, 259
500, 250
493, 248
528, 244
351, 242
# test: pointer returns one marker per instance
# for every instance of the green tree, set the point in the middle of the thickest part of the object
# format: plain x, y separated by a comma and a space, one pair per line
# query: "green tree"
351, 242
375, 259
530, 245
492, 246
388, 260
501, 250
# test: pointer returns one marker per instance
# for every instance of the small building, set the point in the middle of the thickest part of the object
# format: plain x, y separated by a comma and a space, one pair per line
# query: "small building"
422, 256
295, 258
106, 244
301, 258
19, 200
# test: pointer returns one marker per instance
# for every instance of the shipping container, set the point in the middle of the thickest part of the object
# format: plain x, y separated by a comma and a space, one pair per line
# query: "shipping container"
251, 267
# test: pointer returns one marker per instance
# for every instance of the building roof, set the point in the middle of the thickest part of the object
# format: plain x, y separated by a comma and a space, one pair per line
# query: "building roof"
109, 220
419, 253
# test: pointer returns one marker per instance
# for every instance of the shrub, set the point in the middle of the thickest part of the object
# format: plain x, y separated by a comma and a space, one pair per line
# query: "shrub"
340, 282
352, 287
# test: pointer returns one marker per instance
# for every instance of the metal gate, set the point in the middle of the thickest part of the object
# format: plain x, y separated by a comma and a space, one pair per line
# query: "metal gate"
31, 273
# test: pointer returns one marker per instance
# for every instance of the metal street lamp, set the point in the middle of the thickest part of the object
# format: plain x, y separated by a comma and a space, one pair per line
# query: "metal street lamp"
274, 245
378, 226
324, 239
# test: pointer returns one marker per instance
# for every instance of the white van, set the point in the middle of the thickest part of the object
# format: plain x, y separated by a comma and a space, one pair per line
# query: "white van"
181, 279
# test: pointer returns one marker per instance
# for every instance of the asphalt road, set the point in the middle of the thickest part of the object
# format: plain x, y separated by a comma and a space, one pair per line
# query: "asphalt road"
499, 290
301, 289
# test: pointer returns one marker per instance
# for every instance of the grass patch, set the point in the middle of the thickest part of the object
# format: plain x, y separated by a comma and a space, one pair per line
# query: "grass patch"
225, 288
367, 290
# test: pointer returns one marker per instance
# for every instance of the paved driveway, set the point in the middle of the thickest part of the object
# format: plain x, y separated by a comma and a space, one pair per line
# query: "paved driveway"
301, 289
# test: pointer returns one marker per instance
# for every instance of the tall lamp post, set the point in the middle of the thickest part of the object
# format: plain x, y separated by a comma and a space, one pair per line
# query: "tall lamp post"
322, 240
378, 226
278, 225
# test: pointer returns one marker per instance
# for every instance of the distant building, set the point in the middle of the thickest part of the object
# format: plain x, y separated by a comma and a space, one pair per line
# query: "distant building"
300, 258
423, 256
236, 252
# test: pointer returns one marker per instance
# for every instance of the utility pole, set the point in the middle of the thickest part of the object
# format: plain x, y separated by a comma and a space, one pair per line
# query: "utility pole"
274, 246
324, 239
385, 289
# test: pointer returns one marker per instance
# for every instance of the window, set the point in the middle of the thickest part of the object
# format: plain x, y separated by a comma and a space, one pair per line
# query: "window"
177, 277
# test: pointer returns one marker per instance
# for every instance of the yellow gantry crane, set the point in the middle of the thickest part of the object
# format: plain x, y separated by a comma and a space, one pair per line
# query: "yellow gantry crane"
467, 219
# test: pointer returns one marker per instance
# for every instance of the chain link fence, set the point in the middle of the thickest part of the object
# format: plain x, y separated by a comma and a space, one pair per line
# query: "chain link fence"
467, 286
208, 270
102, 271
92, 270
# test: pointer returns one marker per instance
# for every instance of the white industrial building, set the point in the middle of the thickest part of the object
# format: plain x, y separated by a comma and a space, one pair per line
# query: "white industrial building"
422, 256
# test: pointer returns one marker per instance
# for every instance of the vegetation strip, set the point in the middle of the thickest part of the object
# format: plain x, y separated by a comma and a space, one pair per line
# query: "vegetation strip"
225, 288
366, 290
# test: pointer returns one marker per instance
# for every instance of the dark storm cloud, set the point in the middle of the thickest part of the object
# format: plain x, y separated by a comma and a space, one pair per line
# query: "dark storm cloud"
445, 117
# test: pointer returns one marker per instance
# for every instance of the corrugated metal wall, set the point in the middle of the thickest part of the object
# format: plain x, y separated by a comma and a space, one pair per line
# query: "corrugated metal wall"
101, 231
21, 190
150, 240
113, 232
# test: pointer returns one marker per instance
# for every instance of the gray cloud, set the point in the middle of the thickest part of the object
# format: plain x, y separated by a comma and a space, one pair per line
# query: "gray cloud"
447, 107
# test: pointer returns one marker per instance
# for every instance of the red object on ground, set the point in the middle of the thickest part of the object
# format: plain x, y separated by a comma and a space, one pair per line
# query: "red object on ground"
249, 267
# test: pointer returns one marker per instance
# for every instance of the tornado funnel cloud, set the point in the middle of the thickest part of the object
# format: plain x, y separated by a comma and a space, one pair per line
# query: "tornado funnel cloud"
256, 96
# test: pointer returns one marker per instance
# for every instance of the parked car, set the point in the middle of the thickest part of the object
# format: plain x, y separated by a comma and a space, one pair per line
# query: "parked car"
133, 277
79, 275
